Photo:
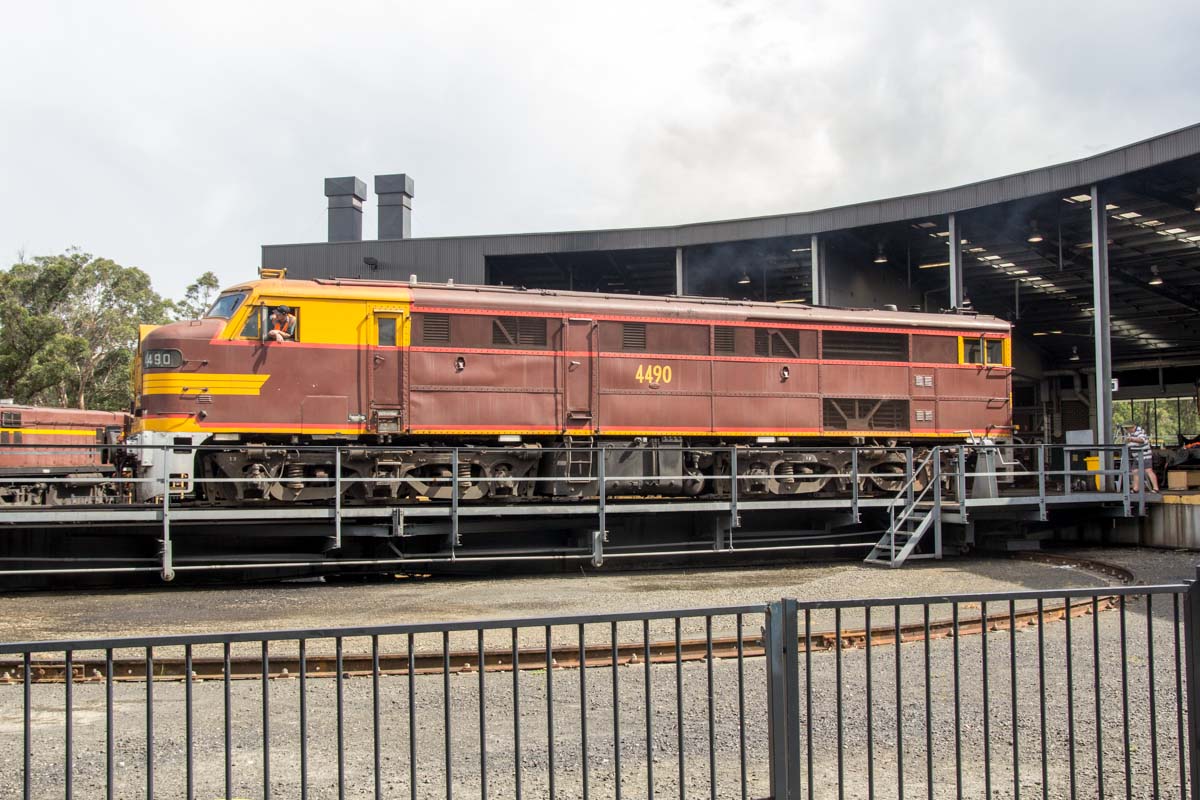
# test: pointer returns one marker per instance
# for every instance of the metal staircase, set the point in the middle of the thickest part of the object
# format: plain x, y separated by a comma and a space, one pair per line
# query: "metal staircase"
911, 515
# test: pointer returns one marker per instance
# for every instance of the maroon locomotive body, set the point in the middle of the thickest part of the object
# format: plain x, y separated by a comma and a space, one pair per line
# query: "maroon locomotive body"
56, 456
500, 386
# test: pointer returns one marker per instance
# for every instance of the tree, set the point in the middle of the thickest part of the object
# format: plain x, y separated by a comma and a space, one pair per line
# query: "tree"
198, 297
69, 329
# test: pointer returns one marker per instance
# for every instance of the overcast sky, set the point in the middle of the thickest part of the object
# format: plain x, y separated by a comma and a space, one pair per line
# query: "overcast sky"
178, 137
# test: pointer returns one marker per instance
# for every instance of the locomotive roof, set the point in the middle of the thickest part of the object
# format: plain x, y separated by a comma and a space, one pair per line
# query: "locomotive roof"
66, 415
554, 301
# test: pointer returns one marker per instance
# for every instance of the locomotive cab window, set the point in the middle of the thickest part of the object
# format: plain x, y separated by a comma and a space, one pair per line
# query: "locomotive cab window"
226, 305
10, 419
983, 351
994, 351
261, 321
253, 323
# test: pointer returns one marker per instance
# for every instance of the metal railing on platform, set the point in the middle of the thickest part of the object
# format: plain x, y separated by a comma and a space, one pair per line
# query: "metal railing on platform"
955, 478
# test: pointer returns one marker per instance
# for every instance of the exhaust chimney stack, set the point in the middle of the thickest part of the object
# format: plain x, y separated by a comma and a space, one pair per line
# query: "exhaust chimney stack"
346, 196
395, 193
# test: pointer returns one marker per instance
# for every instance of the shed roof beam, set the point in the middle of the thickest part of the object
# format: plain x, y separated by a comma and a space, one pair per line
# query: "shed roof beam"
820, 287
957, 290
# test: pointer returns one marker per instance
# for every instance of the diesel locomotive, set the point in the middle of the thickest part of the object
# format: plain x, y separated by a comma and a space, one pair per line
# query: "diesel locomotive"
509, 390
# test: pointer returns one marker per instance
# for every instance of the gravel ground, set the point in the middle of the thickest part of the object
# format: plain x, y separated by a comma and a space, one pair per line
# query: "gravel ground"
144, 612
1129, 670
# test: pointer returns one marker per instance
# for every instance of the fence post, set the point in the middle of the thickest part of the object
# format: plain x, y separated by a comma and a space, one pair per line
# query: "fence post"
600, 535
961, 478
1124, 478
781, 642
337, 498
1191, 634
854, 486
937, 501
733, 490
1041, 467
454, 503
167, 570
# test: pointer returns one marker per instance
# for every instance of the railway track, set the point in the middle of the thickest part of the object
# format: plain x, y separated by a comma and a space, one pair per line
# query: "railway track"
96, 669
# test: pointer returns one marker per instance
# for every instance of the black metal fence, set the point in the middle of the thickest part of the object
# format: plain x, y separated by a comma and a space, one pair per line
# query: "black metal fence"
1056, 693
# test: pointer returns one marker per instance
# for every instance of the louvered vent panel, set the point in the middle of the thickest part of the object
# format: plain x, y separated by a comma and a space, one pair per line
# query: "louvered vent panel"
504, 330
436, 329
776, 343
859, 346
785, 344
531, 332
633, 336
864, 414
723, 339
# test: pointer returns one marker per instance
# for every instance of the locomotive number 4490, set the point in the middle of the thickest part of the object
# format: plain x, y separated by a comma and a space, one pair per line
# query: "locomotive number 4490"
653, 373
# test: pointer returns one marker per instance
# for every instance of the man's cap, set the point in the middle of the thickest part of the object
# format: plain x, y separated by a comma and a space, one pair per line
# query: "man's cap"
284, 309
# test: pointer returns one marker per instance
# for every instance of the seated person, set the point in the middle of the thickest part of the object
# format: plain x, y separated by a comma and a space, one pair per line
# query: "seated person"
283, 325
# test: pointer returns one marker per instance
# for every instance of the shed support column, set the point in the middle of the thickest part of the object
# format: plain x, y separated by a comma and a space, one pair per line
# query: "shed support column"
1102, 324
956, 268
820, 288
679, 282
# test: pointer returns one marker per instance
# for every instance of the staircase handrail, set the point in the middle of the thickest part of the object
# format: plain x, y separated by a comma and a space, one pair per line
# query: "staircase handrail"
903, 493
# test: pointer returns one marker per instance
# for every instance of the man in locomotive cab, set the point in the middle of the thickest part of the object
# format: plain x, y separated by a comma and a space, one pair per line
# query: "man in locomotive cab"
283, 325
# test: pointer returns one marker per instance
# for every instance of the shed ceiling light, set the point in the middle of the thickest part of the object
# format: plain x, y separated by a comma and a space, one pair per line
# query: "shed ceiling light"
1035, 235
880, 258
1074, 353
933, 265
1019, 272
1175, 231
1196, 204
1128, 215
1081, 198
1056, 333
1039, 333
1155, 278
801, 249
745, 279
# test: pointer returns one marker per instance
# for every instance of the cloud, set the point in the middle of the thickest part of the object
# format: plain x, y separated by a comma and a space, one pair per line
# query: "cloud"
180, 137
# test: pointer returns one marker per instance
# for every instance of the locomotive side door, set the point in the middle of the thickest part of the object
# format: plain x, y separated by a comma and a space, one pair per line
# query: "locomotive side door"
579, 374
385, 371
